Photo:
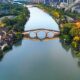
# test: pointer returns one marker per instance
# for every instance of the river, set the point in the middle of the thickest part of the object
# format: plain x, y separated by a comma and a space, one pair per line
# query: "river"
39, 60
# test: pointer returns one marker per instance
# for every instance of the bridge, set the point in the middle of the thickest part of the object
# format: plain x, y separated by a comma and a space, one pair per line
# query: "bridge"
72, 4
53, 33
29, 6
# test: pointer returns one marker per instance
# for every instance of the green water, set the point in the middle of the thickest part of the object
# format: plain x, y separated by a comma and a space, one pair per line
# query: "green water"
39, 60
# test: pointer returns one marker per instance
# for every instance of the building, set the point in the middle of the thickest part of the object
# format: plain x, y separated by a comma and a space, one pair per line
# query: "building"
73, 5
5, 1
64, 1
76, 8
37, 1
2, 1
47, 2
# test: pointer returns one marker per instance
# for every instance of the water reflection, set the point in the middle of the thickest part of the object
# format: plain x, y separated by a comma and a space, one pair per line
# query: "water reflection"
65, 45
75, 54
39, 19
79, 62
40, 36
19, 43
46, 39
32, 34
50, 35
2, 54
35, 60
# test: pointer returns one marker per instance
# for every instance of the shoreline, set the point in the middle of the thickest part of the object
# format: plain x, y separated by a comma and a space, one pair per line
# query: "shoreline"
64, 20
12, 28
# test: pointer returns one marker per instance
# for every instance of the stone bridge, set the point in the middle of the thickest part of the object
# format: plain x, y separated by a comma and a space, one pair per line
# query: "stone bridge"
35, 33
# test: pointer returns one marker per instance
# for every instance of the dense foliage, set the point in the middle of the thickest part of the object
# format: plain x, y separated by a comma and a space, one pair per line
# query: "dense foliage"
12, 20
20, 14
70, 30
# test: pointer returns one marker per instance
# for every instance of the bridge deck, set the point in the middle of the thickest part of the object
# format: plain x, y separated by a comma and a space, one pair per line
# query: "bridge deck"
41, 29
55, 33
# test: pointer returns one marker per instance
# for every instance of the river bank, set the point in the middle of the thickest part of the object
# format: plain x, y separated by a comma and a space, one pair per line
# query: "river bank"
39, 60
69, 26
11, 28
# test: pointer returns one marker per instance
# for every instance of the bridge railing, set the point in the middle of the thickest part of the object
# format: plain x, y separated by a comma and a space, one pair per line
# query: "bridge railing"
41, 29
54, 33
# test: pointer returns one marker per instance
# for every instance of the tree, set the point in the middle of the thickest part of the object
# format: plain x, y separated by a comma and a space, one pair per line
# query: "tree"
56, 14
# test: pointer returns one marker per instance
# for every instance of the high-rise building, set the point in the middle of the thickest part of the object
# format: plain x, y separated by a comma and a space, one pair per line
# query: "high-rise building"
46, 2
37, 1
70, 1
2, 1
65, 1
5, 1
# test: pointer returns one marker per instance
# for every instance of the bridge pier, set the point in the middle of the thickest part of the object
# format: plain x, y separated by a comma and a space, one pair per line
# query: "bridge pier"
46, 35
33, 34
36, 35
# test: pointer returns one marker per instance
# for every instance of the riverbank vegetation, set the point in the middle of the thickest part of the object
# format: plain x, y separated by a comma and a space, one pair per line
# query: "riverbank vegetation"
50, 10
69, 24
12, 20
19, 13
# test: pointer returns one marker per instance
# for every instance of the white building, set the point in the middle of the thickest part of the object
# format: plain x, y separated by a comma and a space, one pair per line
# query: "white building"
5, 1
2, 1
37, 1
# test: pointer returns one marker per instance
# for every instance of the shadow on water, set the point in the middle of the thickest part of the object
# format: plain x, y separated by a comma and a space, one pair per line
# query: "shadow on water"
66, 46
75, 54
19, 43
43, 39
3, 53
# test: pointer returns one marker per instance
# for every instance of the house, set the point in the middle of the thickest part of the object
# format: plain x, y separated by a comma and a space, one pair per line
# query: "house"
3, 32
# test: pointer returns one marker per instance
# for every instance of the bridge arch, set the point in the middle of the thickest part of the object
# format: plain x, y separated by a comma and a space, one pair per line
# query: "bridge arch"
41, 35
32, 34
45, 33
50, 34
